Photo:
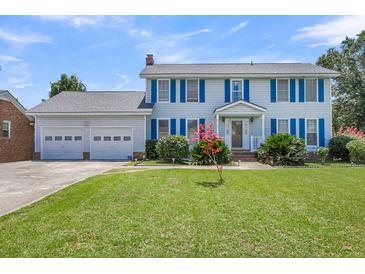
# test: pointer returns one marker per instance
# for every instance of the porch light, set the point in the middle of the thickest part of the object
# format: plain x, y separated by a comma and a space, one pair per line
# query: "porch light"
251, 119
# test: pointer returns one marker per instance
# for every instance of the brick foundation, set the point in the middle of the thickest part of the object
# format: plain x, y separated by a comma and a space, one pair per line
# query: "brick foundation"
138, 155
19, 146
36, 156
86, 155
312, 156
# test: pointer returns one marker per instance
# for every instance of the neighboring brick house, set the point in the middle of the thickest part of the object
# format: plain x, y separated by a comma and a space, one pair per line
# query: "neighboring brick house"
17, 130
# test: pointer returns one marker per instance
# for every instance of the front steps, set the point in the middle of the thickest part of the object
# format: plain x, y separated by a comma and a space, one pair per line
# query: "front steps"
243, 156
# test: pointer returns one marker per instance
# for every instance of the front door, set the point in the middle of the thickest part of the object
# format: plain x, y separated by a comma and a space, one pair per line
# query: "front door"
237, 134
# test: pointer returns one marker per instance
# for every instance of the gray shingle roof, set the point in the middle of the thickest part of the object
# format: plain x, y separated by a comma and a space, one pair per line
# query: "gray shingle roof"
238, 68
95, 102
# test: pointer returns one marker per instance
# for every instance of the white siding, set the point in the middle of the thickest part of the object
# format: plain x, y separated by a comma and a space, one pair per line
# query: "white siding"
136, 122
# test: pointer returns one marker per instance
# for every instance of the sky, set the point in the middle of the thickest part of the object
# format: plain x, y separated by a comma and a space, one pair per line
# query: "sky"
108, 52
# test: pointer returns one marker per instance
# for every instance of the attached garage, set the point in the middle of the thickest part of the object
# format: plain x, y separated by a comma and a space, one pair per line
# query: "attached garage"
111, 143
62, 143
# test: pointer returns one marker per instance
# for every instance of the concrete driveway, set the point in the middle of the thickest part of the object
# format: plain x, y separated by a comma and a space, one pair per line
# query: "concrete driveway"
22, 183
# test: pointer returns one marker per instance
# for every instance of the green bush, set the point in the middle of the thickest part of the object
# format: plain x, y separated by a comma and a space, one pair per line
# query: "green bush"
282, 149
337, 147
172, 146
322, 154
223, 157
150, 148
357, 151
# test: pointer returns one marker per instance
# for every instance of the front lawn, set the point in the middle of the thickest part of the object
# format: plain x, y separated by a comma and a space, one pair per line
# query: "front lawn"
183, 213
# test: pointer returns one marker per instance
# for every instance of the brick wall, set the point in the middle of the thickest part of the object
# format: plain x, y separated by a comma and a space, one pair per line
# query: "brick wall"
20, 145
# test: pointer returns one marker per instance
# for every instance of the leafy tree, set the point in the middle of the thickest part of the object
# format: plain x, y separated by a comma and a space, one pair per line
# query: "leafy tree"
72, 83
349, 87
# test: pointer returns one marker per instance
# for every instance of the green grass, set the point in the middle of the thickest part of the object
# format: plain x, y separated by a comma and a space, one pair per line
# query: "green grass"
183, 213
154, 162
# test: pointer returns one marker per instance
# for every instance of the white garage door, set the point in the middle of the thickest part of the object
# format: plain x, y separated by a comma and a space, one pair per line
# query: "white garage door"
62, 144
111, 143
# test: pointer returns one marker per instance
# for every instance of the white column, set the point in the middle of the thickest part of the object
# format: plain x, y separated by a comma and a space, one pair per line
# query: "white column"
217, 123
263, 127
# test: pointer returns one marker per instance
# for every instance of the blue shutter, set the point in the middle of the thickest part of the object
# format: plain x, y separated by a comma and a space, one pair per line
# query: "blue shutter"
273, 126
173, 91
153, 129
293, 126
172, 126
182, 91
321, 132
202, 121
301, 90
273, 90
302, 128
320, 90
153, 91
182, 127
292, 90
227, 91
246, 94
202, 91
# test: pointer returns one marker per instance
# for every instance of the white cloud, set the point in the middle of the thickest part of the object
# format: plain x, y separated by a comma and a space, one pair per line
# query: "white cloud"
269, 47
20, 82
272, 57
24, 38
8, 59
76, 21
332, 32
238, 27
124, 80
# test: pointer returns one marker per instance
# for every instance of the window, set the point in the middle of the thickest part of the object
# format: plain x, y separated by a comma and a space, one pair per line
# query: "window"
192, 129
283, 126
97, 138
107, 138
163, 128
311, 132
117, 138
283, 90
58, 138
127, 138
68, 138
236, 90
311, 90
163, 90
6, 129
192, 91
78, 138
48, 138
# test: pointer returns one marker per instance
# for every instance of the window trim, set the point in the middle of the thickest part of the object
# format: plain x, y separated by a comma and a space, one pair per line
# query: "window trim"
306, 132
158, 89
186, 90
168, 127
242, 85
277, 90
187, 127
305, 90
9, 129
277, 124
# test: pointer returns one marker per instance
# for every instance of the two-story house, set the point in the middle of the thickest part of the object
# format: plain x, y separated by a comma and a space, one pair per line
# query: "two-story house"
245, 102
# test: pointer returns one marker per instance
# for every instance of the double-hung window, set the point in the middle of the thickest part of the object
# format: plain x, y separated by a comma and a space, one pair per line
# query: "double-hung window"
236, 90
283, 90
6, 129
312, 132
311, 90
192, 129
283, 126
163, 128
163, 90
192, 90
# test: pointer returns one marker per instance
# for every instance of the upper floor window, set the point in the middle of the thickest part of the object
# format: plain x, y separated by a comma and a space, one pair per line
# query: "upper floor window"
236, 90
283, 90
163, 128
312, 133
163, 90
6, 129
192, 90
192, 129
283, 126
311, 90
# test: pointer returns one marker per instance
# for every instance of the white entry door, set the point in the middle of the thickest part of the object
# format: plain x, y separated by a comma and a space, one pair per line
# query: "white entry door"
240, 137
111, 143
62, 143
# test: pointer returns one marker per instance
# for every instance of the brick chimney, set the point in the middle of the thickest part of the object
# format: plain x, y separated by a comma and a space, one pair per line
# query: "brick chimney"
149, 60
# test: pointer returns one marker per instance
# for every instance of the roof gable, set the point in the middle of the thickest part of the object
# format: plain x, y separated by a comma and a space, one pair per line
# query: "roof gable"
7, 96
240, 107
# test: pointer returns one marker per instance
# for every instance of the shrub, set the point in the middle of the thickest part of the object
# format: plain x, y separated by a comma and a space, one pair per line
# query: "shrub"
224, 156
282, 149
150, 148
322, 154
357, 151
337, 147
351, 131
172, 146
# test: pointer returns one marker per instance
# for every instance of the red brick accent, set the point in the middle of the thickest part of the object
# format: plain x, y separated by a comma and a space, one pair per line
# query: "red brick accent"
20, 145
312, 156
138, 155
36, 156
86, 155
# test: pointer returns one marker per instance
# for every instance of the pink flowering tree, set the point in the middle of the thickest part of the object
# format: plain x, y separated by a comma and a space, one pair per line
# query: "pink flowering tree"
351, 131
210, 146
